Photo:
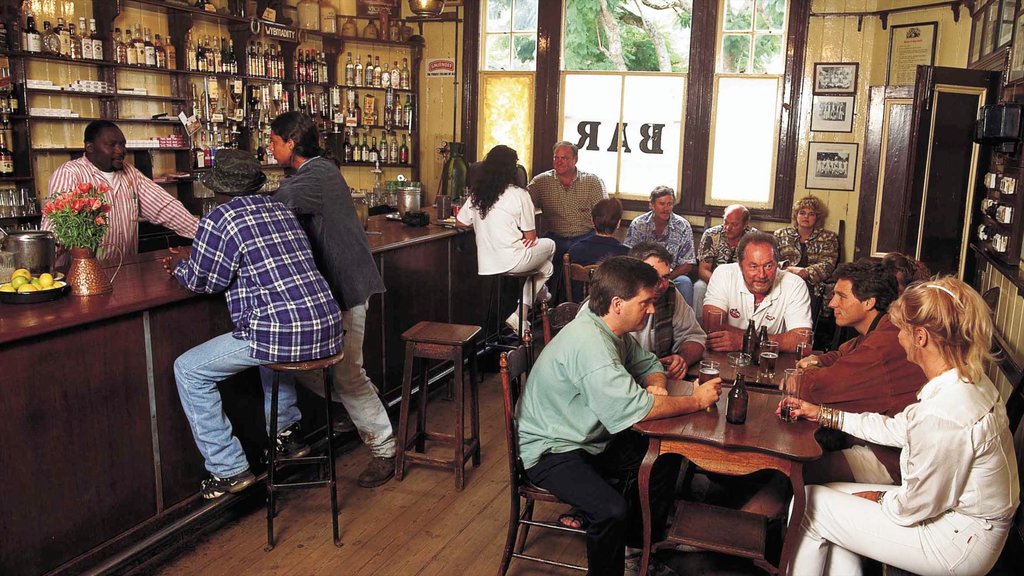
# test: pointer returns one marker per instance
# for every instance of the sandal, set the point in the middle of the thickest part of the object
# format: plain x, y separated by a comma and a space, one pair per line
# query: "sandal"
573, 519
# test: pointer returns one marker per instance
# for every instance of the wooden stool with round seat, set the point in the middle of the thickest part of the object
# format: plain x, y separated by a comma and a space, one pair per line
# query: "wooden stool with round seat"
274, 462
447, 342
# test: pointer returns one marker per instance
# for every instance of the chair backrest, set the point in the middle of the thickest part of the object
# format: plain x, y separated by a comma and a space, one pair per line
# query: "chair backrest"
577, 273
514, 367
556, 318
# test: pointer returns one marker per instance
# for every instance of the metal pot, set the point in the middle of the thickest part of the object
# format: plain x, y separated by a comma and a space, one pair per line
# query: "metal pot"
409, 199
33, 249
426, 7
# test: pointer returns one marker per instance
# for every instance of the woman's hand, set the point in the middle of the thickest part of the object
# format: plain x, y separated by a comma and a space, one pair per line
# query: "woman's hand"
529, 238
799, 409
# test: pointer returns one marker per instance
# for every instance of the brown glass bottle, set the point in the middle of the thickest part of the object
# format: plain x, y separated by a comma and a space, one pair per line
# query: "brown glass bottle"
736, 413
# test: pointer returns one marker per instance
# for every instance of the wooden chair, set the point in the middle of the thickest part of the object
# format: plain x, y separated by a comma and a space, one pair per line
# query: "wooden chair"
576, 273
556, 318
514, 368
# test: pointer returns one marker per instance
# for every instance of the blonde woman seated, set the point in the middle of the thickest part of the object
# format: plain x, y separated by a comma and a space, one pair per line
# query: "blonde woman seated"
810, 251
502, 215
959, 490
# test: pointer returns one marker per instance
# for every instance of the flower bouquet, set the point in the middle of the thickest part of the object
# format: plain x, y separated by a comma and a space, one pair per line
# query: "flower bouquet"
79, 217
79, 221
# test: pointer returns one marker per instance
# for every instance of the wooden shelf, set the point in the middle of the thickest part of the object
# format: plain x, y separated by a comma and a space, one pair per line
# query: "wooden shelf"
58, 58
724, 530
1013, 273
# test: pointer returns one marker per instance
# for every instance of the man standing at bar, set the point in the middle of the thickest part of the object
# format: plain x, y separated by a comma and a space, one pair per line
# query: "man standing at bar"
133, 196
586, 390
718, 246
566, 196
869, 373
755, 289
254, 251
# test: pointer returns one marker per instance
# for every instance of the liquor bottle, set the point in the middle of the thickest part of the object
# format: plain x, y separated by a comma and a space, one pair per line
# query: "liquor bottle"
252, 67
385, 77
149, 50
200, 56
407, 117
6, 157
209, 52
748, 339
120, 52
403, 152
396, 75
736, 413
218, 55
159, 52
231, 59
322, 64
368, 72
404, 81
130, 55
393, 150
357, 77
377, 72
74, 43
140, 46
346, 148
97, 42
350, 71
33, 40
64, 36
365, 157
49, 40
84, 42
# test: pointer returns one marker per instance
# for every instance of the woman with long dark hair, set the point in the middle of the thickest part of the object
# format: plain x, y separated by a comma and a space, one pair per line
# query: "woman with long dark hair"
502, 214
319, 196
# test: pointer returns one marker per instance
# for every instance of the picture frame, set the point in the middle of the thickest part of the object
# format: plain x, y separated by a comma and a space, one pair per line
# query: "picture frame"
832, 113
910, 46
835, 77
832, 165
1016, 68
370, 8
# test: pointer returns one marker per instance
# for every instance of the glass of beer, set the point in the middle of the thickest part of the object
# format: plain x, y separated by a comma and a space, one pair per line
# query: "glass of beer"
769, 354
738, 361
790, 392
713, 321
708, 370
804, 346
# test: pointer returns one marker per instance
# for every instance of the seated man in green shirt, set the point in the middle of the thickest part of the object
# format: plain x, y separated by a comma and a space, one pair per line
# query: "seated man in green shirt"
587, 388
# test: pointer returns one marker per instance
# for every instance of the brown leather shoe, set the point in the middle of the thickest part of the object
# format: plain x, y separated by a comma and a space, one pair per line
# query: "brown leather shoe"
377, 472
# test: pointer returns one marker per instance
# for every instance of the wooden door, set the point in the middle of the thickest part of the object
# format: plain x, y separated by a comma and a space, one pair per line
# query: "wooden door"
945, 164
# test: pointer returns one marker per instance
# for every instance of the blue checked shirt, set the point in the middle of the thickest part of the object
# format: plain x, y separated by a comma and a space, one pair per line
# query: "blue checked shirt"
253, 249
677, 238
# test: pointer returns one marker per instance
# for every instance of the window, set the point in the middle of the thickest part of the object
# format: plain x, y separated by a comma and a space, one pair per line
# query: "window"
624, 90
510, 35
747, 91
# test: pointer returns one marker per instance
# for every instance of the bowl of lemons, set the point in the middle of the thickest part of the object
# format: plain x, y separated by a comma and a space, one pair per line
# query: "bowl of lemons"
24, 288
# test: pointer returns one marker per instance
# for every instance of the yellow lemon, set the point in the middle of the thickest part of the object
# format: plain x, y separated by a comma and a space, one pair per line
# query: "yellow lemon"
21, 272
45, 280
27, 288
7, 288
18, 281
35, 282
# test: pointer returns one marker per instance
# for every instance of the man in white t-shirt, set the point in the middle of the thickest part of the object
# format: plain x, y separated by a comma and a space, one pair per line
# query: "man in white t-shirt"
755, 289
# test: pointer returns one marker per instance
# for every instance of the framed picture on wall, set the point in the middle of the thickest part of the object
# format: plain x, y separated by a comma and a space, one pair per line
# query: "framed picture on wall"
1016, 72
832, 165
910, 46
832, 113
370, 8
835, 77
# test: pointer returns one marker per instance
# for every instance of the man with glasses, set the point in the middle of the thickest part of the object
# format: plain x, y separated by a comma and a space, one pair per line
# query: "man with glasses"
755, 289
566, 195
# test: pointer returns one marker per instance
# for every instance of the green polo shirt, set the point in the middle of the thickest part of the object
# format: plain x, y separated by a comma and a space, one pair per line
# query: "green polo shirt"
582, 390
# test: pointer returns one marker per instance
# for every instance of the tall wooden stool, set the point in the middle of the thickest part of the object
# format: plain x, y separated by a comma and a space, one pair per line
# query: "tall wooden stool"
447, 342
328, 459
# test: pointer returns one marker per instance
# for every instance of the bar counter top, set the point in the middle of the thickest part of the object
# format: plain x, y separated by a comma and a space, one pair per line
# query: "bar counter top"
142, 284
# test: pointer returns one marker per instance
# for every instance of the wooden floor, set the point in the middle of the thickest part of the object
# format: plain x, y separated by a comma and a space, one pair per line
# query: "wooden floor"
420, 526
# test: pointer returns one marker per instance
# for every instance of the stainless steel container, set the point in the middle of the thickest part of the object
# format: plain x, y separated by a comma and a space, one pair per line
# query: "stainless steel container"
33, 249
409, 199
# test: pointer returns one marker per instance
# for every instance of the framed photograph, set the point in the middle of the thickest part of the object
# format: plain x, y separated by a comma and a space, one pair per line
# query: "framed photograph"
832, 165
370, 8
1016, 72
910, 46
832, 114
835, 77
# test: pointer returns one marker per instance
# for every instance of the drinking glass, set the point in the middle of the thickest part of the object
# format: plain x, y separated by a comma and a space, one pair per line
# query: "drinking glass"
790, 392
708, 370
804, 346
713, 321
766, 361
738, 361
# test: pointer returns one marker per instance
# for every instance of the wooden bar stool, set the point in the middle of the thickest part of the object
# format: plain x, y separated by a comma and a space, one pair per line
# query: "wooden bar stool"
325, 459
447, 342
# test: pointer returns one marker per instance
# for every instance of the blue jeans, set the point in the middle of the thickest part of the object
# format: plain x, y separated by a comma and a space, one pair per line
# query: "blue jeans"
197, 373
685, 287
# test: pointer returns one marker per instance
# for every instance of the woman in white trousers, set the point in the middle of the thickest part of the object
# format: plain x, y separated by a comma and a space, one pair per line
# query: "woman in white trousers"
952, 513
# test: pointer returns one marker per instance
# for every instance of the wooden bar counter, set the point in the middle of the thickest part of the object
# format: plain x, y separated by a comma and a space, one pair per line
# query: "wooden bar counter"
97, 455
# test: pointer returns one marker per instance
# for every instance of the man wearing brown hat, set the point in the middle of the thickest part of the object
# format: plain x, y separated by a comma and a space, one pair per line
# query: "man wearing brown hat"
253, 249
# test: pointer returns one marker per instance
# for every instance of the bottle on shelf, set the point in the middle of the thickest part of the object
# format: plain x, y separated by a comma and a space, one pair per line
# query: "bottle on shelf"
149, 50
357, 79
64, 36
377, 72
350, 71
33, 39
410, 111
393, 150
365, 150
120, 51
97, 42
74, 43
404, 80
232, 60
50, 41
84, 41
403, 152
385, 77
209, 55
346, 147
368, 72
159, 52
131, 56
396, 75
6, 157
140, 46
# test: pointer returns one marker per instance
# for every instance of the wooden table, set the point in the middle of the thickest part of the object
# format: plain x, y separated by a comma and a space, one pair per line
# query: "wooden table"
707, 440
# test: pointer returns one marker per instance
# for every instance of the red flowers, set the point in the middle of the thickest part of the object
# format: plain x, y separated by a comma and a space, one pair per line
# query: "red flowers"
77, 216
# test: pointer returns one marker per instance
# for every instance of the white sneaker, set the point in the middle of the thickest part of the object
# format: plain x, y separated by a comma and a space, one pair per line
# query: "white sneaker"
513, 322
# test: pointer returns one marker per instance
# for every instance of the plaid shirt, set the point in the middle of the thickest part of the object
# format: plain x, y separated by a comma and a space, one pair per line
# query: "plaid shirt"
567, 208
253, 249
677, 238
714, 249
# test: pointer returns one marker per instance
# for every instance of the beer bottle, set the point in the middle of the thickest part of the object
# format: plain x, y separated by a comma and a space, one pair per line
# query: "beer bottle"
748, 338
736, 413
